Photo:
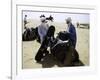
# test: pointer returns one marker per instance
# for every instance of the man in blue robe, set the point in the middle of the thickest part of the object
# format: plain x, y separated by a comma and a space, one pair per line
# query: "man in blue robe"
71, 31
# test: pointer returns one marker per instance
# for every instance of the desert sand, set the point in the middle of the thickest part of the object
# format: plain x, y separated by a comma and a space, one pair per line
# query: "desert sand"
30, 48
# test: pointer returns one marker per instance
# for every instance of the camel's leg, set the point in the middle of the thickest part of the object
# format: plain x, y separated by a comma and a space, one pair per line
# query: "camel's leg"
68, 57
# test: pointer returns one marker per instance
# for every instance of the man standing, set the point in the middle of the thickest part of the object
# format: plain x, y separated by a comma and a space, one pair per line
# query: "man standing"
71, 31
42, 28
25, 21
42, 31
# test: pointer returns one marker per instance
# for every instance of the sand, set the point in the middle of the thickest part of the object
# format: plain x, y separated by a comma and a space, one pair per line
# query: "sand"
30, 48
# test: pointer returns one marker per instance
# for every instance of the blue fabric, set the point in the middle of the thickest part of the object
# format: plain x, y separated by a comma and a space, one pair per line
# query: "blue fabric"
72, 34
42, 30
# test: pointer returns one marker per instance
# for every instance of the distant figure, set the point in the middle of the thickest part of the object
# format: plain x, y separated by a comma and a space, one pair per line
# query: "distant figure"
25, 21
77, 24
71, 31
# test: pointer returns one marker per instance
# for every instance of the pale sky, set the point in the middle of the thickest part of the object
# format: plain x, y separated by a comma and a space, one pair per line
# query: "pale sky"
58, 17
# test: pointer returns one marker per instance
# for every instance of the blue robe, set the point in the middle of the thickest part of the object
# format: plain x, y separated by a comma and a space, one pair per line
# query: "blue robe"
72, 34
42, 30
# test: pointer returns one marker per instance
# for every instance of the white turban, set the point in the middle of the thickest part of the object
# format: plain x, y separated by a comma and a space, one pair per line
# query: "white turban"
42, 18
69, 19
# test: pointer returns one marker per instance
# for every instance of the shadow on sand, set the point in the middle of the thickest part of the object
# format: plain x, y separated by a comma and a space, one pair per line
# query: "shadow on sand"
49, 61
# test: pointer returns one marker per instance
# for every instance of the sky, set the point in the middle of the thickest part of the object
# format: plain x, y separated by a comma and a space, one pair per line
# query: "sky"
59, 17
